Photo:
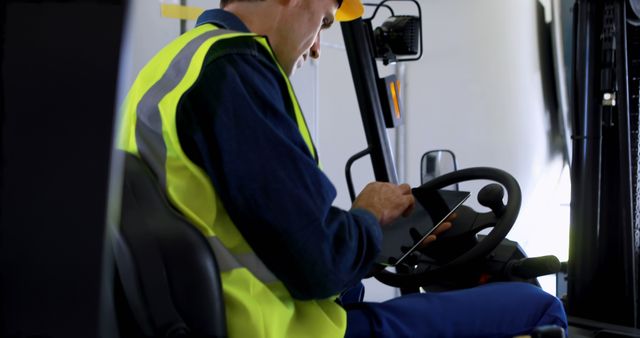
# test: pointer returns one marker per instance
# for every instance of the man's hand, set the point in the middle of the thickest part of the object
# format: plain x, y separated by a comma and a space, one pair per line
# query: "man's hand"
446, 225
386, 201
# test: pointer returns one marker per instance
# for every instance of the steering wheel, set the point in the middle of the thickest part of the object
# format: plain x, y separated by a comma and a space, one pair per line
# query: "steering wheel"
466, 226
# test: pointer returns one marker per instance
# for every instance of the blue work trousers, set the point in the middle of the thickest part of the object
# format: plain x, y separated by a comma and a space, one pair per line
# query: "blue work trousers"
493, 310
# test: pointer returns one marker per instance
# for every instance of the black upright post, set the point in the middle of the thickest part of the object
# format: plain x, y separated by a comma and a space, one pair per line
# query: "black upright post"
602, 284
585, 169
365, 75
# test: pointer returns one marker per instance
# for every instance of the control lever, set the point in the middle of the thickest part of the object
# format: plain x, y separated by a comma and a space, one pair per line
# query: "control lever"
491, 197
532, 267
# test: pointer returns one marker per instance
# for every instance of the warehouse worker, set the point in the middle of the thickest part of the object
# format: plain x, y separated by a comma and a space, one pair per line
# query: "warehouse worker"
214, 115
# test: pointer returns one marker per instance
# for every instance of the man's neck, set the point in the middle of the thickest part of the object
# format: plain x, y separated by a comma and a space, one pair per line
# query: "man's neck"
265, 18
261, 17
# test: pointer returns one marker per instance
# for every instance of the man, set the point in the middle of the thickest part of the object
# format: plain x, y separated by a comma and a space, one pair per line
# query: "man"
214, 116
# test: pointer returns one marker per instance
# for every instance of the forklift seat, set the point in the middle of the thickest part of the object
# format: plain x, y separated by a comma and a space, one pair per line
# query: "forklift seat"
167, 281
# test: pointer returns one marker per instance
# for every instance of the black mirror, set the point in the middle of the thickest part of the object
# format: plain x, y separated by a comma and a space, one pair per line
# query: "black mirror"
435, 163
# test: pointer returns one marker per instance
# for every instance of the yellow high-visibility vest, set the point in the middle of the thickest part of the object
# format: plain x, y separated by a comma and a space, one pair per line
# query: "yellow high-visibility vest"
257, 303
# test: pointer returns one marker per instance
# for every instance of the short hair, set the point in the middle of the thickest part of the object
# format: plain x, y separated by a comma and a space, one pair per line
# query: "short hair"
224, 3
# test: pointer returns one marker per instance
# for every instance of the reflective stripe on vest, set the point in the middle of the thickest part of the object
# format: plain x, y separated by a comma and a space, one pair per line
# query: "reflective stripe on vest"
228, 261
252, 293
149, 125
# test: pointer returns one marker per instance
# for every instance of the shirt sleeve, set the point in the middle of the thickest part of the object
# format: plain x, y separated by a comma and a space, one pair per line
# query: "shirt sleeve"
235, 123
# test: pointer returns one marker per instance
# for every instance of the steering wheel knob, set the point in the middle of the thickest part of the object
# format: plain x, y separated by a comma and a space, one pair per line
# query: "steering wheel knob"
491, 197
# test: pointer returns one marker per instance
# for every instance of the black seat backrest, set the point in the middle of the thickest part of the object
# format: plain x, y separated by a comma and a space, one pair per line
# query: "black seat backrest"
167, 271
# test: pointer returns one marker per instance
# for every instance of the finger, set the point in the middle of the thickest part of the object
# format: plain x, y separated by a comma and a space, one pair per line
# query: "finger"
405, 188
452, 217
443, 227
410, 205
428, 240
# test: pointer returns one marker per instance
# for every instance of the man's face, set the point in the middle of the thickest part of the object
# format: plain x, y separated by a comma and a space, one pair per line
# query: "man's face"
299, 37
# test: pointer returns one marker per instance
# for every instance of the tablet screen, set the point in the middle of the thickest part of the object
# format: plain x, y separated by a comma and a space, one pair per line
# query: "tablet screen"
432, 207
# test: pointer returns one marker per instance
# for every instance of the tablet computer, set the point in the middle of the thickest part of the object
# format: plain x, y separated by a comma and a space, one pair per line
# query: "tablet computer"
403, 236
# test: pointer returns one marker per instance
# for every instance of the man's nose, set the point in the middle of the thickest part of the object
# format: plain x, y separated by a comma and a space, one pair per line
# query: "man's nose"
314, 51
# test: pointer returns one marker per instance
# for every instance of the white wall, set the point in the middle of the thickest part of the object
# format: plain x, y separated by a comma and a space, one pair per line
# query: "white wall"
477, 91
146, 33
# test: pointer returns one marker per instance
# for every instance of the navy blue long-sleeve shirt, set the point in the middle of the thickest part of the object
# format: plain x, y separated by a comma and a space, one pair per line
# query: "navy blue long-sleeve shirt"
237, 122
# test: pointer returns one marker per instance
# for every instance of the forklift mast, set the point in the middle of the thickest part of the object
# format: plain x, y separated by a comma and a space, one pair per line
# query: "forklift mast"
605, 214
